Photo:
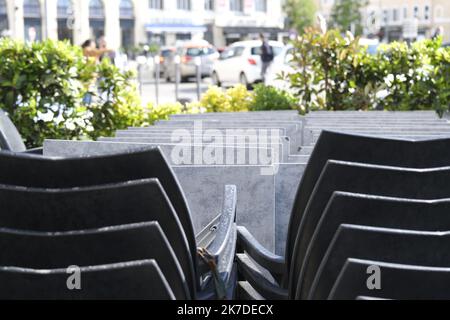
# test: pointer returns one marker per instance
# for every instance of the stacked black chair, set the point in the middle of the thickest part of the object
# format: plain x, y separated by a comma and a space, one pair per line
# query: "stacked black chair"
144, 241
429, 282
346, 176
63, 196
137, 280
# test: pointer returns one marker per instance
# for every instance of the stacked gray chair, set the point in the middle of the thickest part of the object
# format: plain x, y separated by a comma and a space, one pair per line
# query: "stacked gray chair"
10, 138
265, 169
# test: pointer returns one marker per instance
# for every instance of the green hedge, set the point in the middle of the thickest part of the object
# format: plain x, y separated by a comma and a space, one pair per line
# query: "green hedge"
239, 99
42, 87
336, 73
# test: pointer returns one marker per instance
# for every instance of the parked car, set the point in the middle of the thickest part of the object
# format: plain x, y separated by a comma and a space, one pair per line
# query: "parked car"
241, 63
281, 64
165, 54
188, 53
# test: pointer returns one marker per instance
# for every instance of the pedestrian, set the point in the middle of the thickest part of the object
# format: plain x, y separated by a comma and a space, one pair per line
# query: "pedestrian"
438, 32
267, 57
90, 50
107, 53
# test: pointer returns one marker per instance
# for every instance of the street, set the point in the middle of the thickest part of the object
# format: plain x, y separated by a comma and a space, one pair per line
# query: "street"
166, 92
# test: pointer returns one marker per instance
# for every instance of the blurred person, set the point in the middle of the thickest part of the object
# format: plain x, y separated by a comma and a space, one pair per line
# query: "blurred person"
90, 50
107, 53
438, 32
267, 57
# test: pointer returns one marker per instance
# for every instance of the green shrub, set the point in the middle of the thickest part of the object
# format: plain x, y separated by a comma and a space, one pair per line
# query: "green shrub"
235, 99
42, 87
214, 100
336, 73
163, 111
239, 99
270, 98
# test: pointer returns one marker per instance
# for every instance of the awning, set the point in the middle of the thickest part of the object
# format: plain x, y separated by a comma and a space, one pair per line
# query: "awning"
175, 28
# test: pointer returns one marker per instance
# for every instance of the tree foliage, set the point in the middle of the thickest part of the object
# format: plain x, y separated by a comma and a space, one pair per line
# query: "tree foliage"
346, 15
301, 14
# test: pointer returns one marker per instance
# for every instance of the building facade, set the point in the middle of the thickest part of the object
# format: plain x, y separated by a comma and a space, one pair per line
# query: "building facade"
127, 23
401, 19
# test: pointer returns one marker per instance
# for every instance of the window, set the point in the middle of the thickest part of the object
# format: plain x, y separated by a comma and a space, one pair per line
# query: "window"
96, 19
256, 51
184, 5
385, 16
405, 13
426, 14
237, 5
156, 4
31, 9
183, 36
65, 20
32, 20
126, 9
199, 51
232, 53
3, 16
127, 23
416, 12
209, 5
395, 15
65, 9
261, 5
96, 10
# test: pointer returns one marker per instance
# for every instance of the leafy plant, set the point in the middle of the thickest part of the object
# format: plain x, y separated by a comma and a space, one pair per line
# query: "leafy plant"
336, 73
235, 99
43, 87
301, 14
346, 15
270, 98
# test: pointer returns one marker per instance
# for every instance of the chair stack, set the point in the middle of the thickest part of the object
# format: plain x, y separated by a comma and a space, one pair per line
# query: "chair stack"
366, 204
111, 227
257, 152
324, 201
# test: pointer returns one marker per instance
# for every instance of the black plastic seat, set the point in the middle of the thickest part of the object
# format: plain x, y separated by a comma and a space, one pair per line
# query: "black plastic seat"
145, 241
32, 171
375, 211
338, 176
346, 147
59, 210
364, 149
377, 244
140, 280
369, 179
29, 170
399, 282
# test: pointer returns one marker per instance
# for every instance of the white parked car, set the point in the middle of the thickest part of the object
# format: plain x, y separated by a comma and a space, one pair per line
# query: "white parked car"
241, 63
281, 64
